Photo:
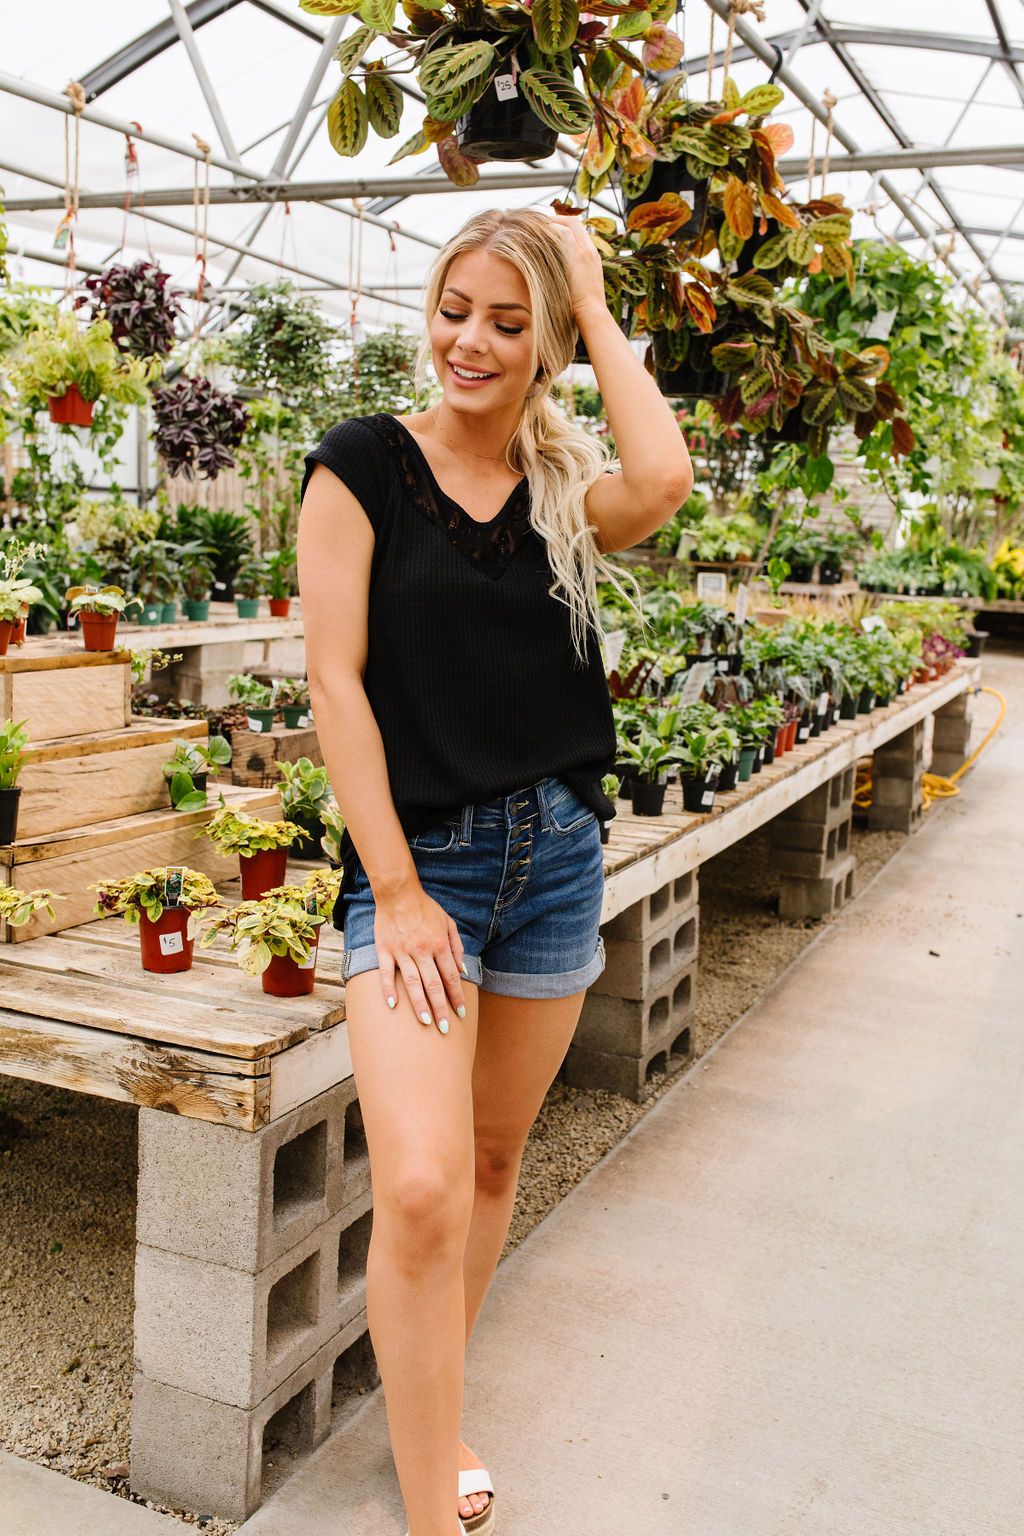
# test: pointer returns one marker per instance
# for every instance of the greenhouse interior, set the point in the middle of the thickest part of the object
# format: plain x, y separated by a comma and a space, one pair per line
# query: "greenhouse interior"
585, 447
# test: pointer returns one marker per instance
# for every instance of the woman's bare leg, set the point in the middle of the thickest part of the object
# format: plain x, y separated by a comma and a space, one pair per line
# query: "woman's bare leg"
415, 1093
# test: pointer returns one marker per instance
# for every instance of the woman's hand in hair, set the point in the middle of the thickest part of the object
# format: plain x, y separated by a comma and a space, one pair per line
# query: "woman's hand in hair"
586, 274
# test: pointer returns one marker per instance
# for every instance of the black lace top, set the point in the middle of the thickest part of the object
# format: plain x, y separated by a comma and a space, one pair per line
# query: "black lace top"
471, 673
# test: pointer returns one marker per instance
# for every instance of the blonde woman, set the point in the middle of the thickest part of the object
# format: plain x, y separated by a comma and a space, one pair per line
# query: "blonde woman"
448, 563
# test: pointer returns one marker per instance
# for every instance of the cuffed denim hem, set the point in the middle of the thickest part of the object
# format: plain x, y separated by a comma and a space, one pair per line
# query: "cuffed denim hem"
553, 984
365, 959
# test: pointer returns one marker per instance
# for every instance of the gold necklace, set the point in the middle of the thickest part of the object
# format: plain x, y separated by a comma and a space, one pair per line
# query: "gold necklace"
458, 448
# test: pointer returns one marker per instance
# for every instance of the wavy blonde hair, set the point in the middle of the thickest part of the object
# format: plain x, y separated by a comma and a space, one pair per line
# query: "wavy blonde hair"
560, 461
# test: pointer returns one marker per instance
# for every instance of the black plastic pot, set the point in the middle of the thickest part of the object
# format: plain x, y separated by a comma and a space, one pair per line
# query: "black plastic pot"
606, 828
685, 381
829, 575
648, 798
699, 794
848, 708
308, 845
758, 762
976, 641
9, 801
672, 176
793, 430
769, 752
806, 727
800, 571
866, 702
728, 776
493, 129
626, 772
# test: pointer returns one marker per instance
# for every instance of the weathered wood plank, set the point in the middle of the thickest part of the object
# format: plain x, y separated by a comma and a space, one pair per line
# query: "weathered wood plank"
61, 701
114, 1066
309, 1068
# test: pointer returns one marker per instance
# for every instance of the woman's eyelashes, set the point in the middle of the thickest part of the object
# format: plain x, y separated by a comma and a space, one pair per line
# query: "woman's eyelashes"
506, 330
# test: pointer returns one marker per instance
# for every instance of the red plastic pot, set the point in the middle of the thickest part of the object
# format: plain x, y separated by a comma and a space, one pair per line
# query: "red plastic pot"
780, 740
284, 978
165, 944
99, 631
279, 607
791, 730
7, 628
70, 409
262, 871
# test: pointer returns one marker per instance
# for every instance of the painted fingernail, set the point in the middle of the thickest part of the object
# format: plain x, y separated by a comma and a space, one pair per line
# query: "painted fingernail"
461, 1010
424, 1018
463, 969
391, 1000
442, 1025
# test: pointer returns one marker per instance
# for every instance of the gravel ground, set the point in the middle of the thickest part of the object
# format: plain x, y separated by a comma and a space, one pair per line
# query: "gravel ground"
68, 1245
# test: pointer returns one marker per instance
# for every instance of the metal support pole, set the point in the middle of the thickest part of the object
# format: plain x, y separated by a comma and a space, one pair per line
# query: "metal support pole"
188, 39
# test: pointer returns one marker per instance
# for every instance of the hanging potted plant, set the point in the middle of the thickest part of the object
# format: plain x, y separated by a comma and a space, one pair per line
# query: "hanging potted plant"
248, 585
17, 592
196, 577
67, 367
292, 695
163, 902
305, 792
261, 846
13, 741
197, 427
98, 609
141, 310
188, 767
16, 907
255, 698
279, 580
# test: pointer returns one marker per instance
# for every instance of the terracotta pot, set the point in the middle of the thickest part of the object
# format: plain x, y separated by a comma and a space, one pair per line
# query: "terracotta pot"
70, 409
262, 871
791, 730
18, 637
279, 607
284, 978
165, 944
7, 628
99, 631
780, 740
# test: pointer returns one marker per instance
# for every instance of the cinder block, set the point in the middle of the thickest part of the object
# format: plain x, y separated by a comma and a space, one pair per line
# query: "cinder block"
817, 898
946, 763
233, 1336
959, 708
814, 864
636, 967
629, 1075
195, 1453
895, 818
244, 1198
655, 910
887, 791
903, 757
625, 1027
952, 736
827, 805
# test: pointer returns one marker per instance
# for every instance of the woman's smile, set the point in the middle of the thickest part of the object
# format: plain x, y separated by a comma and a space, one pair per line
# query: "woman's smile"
467, 376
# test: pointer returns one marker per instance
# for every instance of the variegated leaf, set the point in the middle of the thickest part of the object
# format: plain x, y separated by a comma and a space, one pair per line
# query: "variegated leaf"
730, 243
445, 69
347, 120
856, 394
730, 95
452, 105
635, 24
384, 102
801, 246
351, 49
460, 170
662, 49
557, 103
762, 100
739, 207
379, 14
773, 252
329, 7
831, 229
412, 146
554, 24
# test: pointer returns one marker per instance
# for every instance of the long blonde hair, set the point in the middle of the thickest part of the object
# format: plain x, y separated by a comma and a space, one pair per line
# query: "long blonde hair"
560, 461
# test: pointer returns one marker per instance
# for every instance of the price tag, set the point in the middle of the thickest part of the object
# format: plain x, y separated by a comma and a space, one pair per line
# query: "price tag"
505, 87
253, 723
697, 680
613, 645
881, 324
742, 604
309, 962
712, 586
822, 702
713, 775
708, 797
802, 732
722, 664
171, 944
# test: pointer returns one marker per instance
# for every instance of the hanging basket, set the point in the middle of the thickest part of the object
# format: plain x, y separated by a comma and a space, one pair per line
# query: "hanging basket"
70, 409
497, 129
672, 176
684, 381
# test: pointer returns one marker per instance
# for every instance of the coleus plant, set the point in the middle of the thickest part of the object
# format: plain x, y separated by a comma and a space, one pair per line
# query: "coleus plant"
136, 301
458, 51
197, 427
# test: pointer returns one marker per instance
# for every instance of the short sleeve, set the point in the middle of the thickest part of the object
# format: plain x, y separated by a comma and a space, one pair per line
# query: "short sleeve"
362, 461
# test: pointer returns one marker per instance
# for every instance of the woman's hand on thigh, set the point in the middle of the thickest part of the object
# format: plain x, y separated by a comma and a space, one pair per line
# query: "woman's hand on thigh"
415, 936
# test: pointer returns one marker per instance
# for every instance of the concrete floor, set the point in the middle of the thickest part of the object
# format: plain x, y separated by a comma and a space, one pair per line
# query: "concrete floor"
790, 1301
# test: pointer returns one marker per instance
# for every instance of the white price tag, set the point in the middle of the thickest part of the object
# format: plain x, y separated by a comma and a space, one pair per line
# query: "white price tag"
613, 646
697, 680
708, 797
303, 720
803, 731
712, 586
505, 87
171, 944
253, 723
881, 324
822, 703
309, 962
742, 604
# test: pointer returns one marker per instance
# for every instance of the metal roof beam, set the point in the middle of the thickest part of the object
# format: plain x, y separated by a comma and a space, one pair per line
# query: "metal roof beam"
980, 231
1005, 49
883, 37
188, 40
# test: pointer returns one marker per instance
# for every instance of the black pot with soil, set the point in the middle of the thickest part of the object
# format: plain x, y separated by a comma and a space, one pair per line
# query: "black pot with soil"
976, 641
728, 777
9, 802
626, 773
648, 797
672, 176
686, 381
308, 845
498, 129
699, 793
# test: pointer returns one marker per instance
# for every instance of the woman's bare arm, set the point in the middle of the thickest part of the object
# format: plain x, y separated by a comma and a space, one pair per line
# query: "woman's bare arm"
411, 931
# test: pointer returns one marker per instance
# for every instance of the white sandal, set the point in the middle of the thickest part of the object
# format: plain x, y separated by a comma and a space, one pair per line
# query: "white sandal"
478, 1480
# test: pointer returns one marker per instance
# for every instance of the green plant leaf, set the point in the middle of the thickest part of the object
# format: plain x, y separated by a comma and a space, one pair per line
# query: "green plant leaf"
856, 394
833, 227
412, 146
801, 246
773, 252
819, 404
730, 244
348, 120
555, 23
329, 7
761, 100
460, 170
351, 49
445, 69
557, 103
384, 102
754, 384
379, 14
633, 24
452, 105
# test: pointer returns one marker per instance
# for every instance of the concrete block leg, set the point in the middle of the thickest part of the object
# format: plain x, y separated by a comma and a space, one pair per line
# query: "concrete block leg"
810, 849
951, 743
897, 773
201, 676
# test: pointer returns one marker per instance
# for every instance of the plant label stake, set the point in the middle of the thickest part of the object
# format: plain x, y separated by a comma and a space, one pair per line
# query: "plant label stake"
173, 885
505, 87
697, 680
711, 586
742, 603
613, 646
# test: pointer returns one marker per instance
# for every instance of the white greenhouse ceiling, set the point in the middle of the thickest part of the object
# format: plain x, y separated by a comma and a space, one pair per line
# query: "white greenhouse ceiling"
929, 107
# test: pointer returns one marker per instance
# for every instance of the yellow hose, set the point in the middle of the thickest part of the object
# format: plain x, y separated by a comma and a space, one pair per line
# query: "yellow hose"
934, 785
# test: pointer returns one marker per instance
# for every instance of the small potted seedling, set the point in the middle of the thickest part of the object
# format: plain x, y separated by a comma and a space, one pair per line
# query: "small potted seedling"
305, 792
16, 591
276, 937
611, 784
279, 576
292, 696
261, 846
196, 580
255, 698
97, 610
13, 740
650, 756
248, 586
163, 902
700, 753
16, 907
187, 768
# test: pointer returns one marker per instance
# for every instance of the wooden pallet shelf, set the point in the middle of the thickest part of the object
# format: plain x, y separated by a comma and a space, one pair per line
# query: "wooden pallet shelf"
60, 692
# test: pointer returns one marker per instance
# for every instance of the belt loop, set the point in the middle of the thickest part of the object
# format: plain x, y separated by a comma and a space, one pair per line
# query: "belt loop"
466, 834
542, 805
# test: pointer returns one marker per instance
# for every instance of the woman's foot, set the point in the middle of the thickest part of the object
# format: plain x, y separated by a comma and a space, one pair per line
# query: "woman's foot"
473, 1503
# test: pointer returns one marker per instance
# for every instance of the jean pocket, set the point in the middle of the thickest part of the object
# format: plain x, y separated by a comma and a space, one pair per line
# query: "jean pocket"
440, 839
567, 812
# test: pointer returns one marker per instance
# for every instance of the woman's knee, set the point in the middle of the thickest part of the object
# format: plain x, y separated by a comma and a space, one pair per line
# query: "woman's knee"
497, 1163
425, 1206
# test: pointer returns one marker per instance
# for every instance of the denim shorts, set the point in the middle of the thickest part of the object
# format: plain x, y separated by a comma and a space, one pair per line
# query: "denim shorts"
523, 878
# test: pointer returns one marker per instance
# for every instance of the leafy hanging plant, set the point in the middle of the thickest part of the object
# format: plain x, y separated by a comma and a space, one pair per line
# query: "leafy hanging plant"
140, 308
62, 353
197, 427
